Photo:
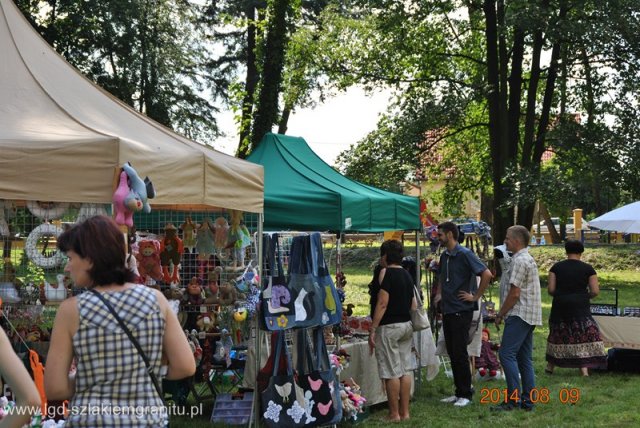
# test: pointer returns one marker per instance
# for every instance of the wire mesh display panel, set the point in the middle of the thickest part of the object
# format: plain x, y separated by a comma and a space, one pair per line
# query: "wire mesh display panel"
209, 271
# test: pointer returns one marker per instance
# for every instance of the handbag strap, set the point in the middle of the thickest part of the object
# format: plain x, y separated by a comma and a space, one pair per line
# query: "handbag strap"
322, 356
305, 362
280, 345
152, 375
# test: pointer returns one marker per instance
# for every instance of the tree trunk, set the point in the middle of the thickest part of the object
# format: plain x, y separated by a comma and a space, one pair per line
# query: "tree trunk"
284, 120
553, 233
250, 84
267, 109
497, 130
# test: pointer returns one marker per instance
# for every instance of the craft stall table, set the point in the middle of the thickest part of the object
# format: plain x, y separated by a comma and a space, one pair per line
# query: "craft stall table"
619, 332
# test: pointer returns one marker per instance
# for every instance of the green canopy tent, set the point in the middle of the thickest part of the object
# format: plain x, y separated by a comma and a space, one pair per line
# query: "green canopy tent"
302, 192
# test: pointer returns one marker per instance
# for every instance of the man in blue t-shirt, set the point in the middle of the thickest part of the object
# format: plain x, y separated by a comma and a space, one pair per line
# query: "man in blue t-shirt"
459, 293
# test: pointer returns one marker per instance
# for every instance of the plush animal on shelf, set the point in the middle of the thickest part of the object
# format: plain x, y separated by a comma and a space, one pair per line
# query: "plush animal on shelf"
194, 292
207, 322
189, 234
171, 250
148, 259
205, 240
228, 294
139, 187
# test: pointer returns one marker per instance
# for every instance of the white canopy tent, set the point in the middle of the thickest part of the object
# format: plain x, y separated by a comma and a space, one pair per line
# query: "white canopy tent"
62, 137
625, 219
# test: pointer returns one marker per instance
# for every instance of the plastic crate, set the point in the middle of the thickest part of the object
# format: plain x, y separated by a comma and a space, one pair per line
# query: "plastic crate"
233, 409
631, 311
610, 309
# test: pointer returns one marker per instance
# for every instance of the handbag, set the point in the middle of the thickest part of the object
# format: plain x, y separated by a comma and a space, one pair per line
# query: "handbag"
419, 316
328, 373
330, 300
136, 344
282, 401
303, 283
318, 386
276, 302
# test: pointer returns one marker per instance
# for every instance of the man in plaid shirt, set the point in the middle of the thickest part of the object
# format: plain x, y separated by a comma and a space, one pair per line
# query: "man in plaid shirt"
521, 310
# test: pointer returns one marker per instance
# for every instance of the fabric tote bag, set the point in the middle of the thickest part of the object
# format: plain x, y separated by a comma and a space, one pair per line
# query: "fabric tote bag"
328, 373
282, 402
318, 387
276, 301
332, 307
307, 294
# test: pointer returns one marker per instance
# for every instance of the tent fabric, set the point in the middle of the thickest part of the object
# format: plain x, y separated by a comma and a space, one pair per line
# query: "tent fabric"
302, 193
625, 219
62, 137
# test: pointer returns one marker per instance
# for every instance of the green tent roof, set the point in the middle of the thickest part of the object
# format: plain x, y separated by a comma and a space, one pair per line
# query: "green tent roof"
302, 192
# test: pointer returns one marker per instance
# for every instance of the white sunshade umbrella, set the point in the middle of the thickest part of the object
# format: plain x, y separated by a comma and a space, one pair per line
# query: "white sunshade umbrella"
625, 219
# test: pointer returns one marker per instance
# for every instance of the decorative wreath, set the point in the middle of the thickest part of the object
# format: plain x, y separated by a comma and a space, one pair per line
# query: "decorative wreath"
30, 246
47, 210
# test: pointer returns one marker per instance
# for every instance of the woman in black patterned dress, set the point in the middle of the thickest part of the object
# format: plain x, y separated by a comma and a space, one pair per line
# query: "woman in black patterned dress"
574, 338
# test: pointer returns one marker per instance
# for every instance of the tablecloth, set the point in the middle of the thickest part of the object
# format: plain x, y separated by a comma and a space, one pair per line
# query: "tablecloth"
619, 332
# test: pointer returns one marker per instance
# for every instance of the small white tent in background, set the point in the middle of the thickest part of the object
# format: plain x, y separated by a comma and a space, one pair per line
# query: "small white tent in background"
625, 219
62, 137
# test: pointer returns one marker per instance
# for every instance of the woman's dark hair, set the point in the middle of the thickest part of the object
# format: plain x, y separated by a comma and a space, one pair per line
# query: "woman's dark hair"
393, 250
573, 246
100, 240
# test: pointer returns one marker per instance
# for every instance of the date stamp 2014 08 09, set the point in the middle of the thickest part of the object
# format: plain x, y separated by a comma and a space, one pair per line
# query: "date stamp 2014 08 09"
537, 395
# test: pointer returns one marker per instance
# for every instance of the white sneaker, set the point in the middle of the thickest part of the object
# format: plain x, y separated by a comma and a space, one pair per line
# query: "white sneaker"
461, 402
451, 399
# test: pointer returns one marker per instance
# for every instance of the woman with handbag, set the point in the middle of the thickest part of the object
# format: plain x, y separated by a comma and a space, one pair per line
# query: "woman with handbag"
119, 334
391, 330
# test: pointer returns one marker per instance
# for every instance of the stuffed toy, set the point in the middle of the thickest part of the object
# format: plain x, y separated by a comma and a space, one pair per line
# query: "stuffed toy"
239, 238
174, 297
228, 294
221, 227
207, 322
212, 287
188, 234
139, 187
205, 240
148, 260
194, 292
171, 250
122, 202
487, 363
7, 210
194, 343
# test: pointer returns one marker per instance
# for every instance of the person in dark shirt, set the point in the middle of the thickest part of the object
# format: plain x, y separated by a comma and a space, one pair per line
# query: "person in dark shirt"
459, 293
574, 338
391, 331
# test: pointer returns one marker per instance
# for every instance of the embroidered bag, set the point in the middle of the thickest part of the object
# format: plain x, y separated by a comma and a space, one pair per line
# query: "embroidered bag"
307, 294
318, 387
328, 373
282, 401
276, 303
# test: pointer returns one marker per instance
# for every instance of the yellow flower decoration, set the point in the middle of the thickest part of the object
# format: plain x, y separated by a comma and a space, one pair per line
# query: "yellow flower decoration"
283, 321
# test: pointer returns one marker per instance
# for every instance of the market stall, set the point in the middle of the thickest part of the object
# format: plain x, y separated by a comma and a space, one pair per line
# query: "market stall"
71, 150
303, 193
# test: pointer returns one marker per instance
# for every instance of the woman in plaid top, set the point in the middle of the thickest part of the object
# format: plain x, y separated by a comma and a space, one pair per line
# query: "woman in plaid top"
111, 386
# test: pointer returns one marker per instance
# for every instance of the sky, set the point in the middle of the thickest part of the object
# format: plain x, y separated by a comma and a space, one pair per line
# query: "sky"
329, 128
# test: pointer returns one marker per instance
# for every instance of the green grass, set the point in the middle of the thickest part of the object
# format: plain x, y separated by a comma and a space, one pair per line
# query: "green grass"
605, 399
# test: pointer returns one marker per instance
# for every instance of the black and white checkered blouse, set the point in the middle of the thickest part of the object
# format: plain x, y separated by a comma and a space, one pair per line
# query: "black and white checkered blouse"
113, 388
